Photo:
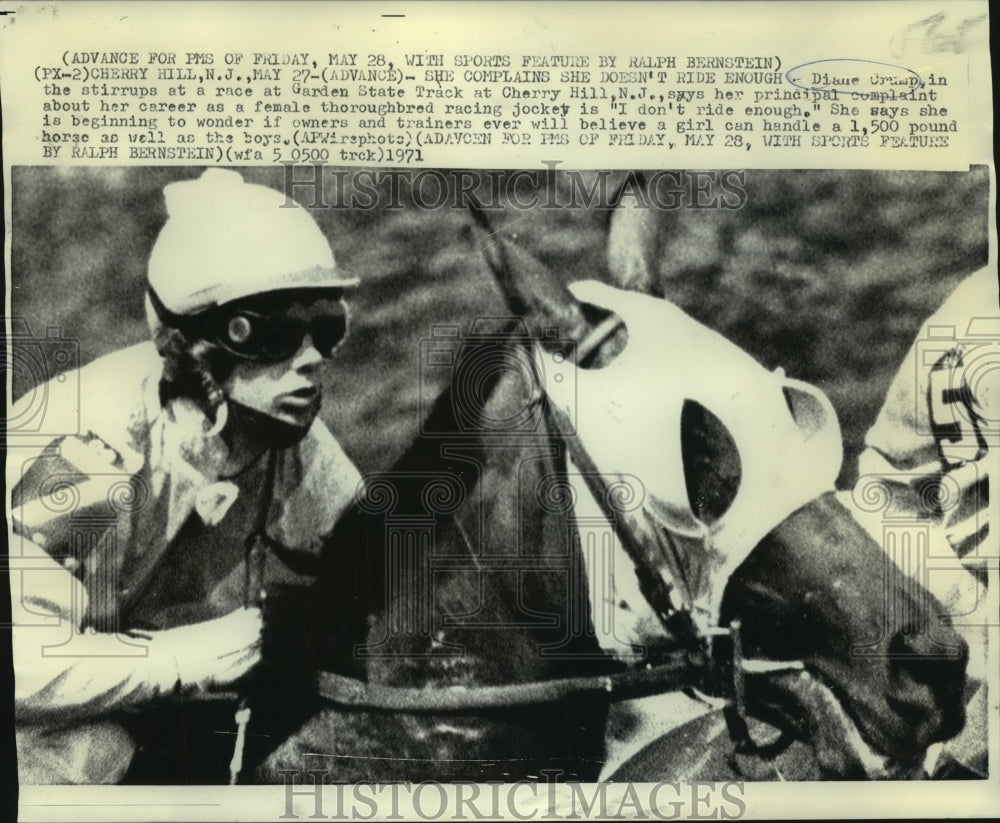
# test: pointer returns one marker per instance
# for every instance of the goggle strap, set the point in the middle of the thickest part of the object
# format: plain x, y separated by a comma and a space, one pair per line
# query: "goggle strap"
163, 314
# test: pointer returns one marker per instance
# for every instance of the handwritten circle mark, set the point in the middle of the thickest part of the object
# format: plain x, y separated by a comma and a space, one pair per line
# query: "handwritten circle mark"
856, 75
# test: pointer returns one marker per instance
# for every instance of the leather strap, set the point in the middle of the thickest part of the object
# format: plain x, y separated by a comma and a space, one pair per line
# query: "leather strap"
679, 672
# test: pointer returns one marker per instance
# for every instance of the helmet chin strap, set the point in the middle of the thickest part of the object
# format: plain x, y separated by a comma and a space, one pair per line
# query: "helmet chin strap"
262, 429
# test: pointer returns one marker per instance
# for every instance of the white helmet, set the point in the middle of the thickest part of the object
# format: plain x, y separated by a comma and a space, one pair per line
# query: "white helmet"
225, 239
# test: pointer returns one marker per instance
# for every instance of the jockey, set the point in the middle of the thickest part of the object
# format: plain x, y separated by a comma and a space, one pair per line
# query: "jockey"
923, 488
145, 532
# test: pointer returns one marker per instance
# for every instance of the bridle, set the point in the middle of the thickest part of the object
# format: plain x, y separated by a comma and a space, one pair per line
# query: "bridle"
688, 666
691, 666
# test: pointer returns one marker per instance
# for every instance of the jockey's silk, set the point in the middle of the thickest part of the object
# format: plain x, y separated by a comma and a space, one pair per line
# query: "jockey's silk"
923, 489
929, 450
628, 418
121, 521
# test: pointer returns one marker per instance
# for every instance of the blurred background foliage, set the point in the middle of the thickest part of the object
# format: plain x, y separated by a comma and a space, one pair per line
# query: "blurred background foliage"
827, 274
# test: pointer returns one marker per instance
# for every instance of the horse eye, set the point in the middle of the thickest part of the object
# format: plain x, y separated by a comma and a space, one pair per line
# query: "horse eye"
239, 329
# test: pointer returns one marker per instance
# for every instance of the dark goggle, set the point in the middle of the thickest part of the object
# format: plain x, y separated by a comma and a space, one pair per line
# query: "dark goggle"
271, 338
256, 336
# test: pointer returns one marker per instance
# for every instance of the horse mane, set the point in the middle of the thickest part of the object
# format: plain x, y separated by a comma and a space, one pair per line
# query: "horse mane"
351, 573
425, 451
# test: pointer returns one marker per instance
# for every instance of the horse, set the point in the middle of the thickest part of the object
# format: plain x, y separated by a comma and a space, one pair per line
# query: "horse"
879, 672
452, 628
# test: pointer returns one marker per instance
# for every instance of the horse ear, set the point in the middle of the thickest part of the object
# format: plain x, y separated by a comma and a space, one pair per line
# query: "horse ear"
810, 410
486, 239
539, 297
633, 237
529, 288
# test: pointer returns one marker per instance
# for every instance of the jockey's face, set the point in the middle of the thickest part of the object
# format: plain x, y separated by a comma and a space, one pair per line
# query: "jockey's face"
289, 389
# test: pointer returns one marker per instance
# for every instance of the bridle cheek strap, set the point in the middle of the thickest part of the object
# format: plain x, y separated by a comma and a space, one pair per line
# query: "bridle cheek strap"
623, 427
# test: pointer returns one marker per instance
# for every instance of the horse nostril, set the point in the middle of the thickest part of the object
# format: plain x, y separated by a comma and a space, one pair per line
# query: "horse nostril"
906, 661
926, 660
928, 680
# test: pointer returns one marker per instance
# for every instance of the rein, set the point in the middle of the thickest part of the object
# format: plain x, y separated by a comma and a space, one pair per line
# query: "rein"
673, 675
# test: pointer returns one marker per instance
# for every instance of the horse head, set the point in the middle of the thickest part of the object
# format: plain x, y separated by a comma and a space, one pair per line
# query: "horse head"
833, 642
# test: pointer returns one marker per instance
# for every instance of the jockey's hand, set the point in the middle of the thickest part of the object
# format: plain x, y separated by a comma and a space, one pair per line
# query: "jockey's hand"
215, 653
